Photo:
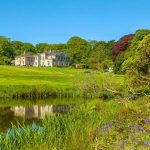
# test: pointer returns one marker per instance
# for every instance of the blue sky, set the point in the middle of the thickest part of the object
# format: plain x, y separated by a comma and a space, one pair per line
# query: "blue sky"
55, 21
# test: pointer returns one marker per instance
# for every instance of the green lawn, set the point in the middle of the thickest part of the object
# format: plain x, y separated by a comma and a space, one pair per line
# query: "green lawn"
54, 77
14, 79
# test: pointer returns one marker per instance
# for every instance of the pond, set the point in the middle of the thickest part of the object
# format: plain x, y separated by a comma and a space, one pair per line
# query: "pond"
27, 111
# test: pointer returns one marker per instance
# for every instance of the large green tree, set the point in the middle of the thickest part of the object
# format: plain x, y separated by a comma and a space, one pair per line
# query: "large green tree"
28, 47
126, 48
138, 37
41, 47
137, 67
17, 47
101, 55
6, 51
78, 50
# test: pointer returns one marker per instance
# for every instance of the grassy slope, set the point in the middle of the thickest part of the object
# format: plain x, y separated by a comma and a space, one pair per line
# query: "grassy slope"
24, 79
53, 77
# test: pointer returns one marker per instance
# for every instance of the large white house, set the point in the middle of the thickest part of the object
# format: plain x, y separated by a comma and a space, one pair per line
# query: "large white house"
24, 60
48, 59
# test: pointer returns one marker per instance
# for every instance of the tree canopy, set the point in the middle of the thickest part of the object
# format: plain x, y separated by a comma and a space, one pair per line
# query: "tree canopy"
137, 66
121, 45
6, 51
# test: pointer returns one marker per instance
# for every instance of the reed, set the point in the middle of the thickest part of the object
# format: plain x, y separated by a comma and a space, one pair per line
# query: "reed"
93, 125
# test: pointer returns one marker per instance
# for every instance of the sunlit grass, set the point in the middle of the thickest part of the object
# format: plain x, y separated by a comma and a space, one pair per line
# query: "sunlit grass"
31, 82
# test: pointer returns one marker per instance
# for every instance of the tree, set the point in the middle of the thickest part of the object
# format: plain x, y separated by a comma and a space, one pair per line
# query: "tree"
78, 50
138, 37
28, 47
118, 63
59, 47
101, 55
17, 47
121, 45
137, 67
93, 44
41, 47
129, 49
6, 51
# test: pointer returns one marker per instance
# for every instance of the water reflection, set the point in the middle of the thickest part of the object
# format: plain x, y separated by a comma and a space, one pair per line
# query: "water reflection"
39, 111
28, 114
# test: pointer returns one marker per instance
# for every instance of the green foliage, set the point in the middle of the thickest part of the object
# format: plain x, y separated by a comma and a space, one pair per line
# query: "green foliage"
78, 50
139, 35
28, 47
100, 55
4, 60
127, 130
93, 125
41, 47
118, 63
131, 51
98, 84
17, 47
6, 52
106, 64
137, 67
81, 52
60, 47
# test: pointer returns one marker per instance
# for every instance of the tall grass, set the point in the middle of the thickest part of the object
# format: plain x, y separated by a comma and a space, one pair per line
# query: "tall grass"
93, 125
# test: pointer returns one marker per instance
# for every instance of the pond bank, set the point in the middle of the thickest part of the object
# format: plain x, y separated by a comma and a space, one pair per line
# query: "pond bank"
92, 125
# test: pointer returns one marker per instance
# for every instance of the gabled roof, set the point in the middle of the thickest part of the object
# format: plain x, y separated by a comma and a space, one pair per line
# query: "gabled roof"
53, 52
24, 55
36, 54
49, 53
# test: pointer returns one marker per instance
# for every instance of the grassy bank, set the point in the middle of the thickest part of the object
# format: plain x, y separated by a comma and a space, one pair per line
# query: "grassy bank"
32, 82
94, 125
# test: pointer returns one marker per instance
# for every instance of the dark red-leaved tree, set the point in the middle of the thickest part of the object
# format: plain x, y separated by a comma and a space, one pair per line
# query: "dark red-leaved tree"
121, 45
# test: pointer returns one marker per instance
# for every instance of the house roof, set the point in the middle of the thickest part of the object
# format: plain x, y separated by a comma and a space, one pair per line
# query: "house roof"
35, 55
53, 52
24, 55
49, 53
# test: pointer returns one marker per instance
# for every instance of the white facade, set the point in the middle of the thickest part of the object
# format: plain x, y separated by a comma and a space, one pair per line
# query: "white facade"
47, 59
24, 60
37, 60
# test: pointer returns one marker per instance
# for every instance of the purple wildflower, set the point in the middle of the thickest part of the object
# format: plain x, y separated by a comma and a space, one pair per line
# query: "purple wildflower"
136, 141
106, 127
120, 121
147, 143
139, 129
147, 121
132, 126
